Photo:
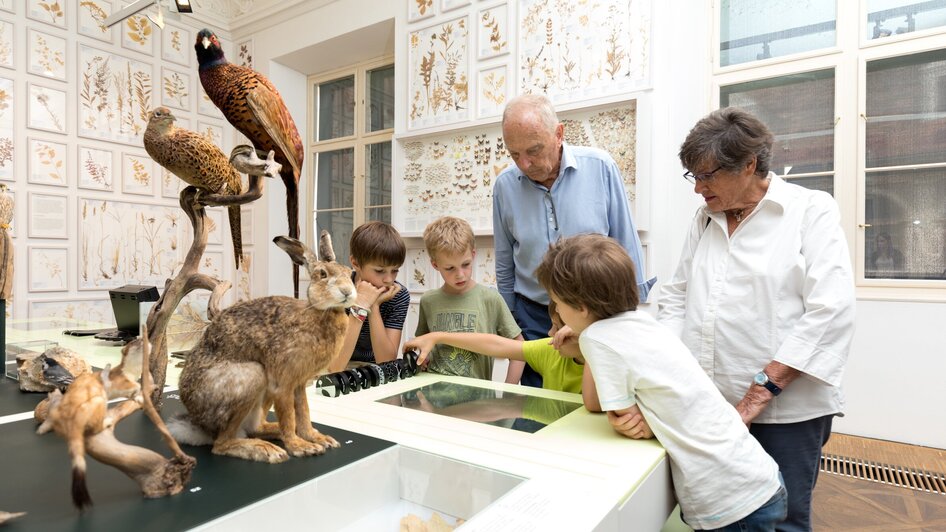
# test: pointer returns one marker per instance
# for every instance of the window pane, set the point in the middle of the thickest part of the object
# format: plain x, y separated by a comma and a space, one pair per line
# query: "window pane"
335, 179
893, 17
907, 234
339, 224
821, 182
799, 110
751, 30
378, 176
381, 214
336, 108
906, 109
380, 112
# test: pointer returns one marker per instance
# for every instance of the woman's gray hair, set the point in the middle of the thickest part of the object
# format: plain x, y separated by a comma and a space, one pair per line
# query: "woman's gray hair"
731, 136
538, 104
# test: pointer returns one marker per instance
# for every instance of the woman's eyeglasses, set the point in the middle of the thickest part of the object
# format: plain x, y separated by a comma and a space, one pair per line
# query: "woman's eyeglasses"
703, 178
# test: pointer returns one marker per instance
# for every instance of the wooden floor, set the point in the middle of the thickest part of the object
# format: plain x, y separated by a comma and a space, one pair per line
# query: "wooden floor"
844, 503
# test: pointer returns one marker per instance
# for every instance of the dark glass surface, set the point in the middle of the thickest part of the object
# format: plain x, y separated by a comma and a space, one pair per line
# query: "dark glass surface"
510, 410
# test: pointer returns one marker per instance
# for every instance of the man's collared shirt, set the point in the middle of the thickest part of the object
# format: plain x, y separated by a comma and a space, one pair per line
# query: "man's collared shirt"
587, 197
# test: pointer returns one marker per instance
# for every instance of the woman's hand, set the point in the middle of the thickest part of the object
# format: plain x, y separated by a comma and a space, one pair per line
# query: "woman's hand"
630, 423
422, 345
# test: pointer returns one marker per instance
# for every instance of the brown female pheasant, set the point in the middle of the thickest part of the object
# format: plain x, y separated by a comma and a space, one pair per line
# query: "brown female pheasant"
251, 103
197, 161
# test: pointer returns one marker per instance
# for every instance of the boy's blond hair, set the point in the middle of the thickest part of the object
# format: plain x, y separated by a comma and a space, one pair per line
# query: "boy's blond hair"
449, 235
377, 243
592, 272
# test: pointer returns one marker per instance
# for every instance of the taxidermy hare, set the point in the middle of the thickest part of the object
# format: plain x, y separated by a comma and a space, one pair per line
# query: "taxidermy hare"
261, 353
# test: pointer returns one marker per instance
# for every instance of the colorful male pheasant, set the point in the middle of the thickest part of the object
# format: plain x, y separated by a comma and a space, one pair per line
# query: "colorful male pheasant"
251, 103
197, 161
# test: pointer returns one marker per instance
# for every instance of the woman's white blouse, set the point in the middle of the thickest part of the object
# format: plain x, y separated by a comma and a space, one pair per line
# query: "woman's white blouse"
780, 288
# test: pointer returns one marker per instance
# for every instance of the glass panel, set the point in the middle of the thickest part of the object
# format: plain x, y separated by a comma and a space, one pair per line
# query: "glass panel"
335, 179
340, 225
380, 112
378, 174
751, 30
381, 214
799, 110
907, 234
492, 407
906, 109
893, 17
336, 116
821, 182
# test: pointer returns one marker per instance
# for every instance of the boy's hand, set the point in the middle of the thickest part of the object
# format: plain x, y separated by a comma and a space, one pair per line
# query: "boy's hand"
630, 422
564, 336
368, 294
388, 293
422, 344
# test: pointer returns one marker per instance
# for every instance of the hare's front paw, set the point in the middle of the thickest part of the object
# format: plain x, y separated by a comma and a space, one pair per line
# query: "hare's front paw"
252, 449
299, 447
309, 433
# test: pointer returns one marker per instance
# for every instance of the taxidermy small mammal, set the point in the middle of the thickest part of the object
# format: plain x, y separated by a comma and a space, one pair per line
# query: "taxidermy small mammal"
83, 411
261, 353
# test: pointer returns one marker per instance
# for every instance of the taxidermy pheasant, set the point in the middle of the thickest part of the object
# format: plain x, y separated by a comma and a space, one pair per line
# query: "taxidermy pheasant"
197, 161
251, 103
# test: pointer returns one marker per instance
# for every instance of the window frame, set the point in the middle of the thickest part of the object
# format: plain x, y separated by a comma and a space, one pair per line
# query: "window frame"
849, 58
358, 142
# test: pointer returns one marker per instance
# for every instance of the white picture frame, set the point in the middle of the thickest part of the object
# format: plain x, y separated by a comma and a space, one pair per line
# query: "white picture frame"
8, 5
137, 34
50, 12
7, 133
435, 51
177, 44
492, 32
419, 10
176, 88
244, 55
138, 174
492, 91
212, 132
48, 271
246, 226
215, 231
7, 44
244, 277
47, 162
91, 15
205, 106
45, 55
450, 5
103, 112
47, 216
96, 167
46, 109
65, 312
171, 185
212, 264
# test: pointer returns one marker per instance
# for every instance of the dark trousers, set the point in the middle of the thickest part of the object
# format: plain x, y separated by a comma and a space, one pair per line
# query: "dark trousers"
533, 318
796, 447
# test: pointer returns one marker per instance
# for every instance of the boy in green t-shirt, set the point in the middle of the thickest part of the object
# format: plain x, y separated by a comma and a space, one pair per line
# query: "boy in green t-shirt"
461, 305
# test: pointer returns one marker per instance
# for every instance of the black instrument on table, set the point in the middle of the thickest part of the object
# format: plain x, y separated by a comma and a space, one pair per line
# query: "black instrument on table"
367, 376
125, 301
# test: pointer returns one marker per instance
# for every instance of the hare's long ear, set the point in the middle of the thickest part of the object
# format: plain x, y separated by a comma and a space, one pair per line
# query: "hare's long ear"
325, 247
297, 251
131, 359
104, 376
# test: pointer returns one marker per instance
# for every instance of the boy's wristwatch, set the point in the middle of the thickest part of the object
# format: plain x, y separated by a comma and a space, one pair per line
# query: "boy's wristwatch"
359, 312
763, 380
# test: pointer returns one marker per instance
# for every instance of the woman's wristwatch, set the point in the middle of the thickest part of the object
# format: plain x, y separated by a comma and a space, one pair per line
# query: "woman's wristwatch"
763, 380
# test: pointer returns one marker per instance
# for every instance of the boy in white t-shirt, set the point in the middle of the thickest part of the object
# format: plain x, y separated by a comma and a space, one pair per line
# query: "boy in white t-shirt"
722, 477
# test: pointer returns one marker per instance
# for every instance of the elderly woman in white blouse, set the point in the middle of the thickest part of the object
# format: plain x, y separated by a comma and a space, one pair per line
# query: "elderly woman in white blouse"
764, 296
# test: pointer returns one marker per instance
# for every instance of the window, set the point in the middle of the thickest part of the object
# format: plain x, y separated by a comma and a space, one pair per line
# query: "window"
854, 93
353, 123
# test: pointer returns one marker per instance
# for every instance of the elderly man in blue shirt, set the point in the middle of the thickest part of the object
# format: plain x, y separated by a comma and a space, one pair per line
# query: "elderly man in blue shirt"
554, 190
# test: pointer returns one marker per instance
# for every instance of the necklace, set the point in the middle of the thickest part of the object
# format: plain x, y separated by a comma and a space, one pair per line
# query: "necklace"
738, 215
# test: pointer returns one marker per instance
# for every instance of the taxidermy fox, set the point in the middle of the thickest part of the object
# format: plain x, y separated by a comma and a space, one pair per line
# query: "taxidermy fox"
83, 411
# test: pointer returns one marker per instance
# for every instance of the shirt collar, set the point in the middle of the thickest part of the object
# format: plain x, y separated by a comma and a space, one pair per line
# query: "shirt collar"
778, 194
568, 161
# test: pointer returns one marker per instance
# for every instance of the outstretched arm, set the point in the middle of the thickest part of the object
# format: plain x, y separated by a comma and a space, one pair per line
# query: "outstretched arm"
514, 372
487, 344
